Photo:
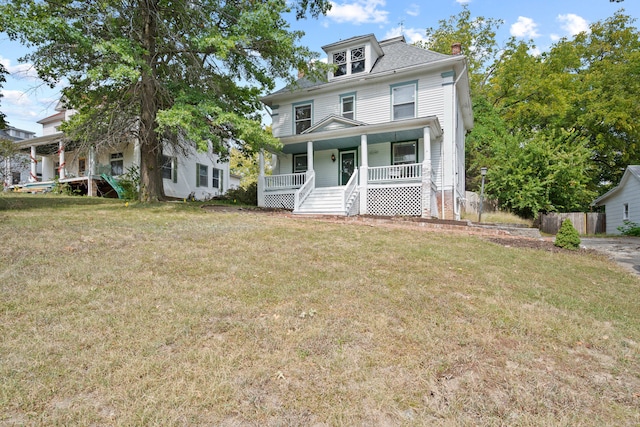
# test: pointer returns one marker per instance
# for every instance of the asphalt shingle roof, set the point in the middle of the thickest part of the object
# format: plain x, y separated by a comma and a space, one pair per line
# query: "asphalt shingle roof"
397, 54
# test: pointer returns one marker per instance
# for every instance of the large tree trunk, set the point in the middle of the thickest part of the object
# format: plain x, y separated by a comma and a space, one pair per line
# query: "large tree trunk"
151, 188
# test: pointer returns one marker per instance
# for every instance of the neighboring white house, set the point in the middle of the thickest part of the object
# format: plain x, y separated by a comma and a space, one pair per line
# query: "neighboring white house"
622, 203
384, 135
88, 171
15, 168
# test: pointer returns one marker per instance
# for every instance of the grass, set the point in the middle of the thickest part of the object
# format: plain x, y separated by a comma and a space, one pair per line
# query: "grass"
170, 315
497, 217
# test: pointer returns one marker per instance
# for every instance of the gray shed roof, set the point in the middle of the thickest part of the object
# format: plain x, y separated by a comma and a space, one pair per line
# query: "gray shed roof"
632, 170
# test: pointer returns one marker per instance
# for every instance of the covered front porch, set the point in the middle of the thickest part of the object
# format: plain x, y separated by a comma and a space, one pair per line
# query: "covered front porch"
341, 167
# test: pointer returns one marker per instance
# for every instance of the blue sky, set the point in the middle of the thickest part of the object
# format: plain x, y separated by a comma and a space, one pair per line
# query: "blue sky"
26, 100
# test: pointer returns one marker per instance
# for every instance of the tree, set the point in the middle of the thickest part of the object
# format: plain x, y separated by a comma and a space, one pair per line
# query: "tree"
171, 72
3, 71
477, 37
247, 166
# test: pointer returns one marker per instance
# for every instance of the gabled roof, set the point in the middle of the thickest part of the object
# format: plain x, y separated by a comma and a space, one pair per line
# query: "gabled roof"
631, 171
334, 121
53, 118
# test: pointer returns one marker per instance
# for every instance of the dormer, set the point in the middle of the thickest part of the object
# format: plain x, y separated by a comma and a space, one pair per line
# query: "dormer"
353, 56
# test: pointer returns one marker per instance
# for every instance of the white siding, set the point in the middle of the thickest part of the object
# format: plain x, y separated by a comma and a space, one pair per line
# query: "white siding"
630, 194
326, 170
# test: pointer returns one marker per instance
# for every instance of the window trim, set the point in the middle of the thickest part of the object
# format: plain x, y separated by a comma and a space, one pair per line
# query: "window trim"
199, 176
173, 164
349, 61
345, 96
392, 87
293, 164
219, 178
625, 211
296, 105
116, 157
399, 143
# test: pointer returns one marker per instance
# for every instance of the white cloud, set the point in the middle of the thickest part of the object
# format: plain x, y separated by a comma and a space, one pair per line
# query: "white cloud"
413, 10
554, 37
359, 12
19, 70
412, 35
524, 27
463, 1
16, 98
573, 24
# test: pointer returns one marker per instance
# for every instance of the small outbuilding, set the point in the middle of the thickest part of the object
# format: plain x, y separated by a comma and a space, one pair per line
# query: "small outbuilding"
622, 203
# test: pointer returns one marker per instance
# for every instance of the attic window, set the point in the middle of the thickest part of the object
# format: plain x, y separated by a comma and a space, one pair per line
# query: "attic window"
357, 60
340, 59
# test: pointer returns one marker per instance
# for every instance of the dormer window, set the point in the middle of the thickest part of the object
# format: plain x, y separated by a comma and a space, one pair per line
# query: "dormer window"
357, 60
340, 59
350, 61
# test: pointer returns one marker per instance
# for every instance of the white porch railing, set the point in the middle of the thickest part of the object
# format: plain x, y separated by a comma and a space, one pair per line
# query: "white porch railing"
303, 192
291, 180
349, 189
410, 172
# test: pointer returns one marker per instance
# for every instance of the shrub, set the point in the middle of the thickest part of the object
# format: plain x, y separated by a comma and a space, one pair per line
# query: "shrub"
629, 229
567, 236
244, 195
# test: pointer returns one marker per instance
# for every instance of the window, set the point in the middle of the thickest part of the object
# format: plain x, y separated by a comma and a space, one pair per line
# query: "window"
302, 117
216, 181
202, 177
357, 60
403, 99
340, 59
82, 166
405, 153
169, 168
117, 164
347, 106
625, 211
299, 163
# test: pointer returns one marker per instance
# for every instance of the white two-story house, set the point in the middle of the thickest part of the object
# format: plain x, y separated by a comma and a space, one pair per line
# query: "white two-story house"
92, 171
384, 135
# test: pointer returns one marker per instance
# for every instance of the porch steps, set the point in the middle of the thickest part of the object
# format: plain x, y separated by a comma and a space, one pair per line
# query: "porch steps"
323, 201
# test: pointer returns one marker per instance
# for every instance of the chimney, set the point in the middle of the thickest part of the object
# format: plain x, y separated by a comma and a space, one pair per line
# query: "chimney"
456, 49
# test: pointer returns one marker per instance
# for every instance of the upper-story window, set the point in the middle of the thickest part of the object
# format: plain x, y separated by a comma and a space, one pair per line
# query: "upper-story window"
349, 61
302, 113
340, 59
357, 60
348, 106
403, 100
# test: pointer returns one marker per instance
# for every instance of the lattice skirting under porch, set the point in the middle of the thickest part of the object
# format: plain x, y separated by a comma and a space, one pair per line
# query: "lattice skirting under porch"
390, 201
279, 201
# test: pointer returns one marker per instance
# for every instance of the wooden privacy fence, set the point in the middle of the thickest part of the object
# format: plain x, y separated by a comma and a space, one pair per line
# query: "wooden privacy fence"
585, 223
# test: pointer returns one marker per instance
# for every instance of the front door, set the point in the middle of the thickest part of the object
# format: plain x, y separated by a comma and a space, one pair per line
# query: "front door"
348, 161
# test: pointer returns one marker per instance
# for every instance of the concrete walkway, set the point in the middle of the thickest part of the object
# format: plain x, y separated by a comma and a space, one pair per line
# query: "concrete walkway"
623, 250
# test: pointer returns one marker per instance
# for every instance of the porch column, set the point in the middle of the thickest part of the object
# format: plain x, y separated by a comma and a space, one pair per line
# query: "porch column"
364, 173
33, 176
8, 177
261, 178
61, 168
310, 155
91, 190
426, 173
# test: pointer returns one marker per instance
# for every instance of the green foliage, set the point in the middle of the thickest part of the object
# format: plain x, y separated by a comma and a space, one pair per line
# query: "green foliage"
555, 129
63, 188
247, 166
629, 228
247, 195
476, 35
130, 183
190, 77
567, 236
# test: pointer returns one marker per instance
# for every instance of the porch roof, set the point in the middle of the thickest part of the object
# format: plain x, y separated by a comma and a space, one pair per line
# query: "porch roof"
348, 137
45, 145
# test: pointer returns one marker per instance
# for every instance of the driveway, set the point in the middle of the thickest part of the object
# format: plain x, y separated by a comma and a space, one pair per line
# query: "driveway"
623, 250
